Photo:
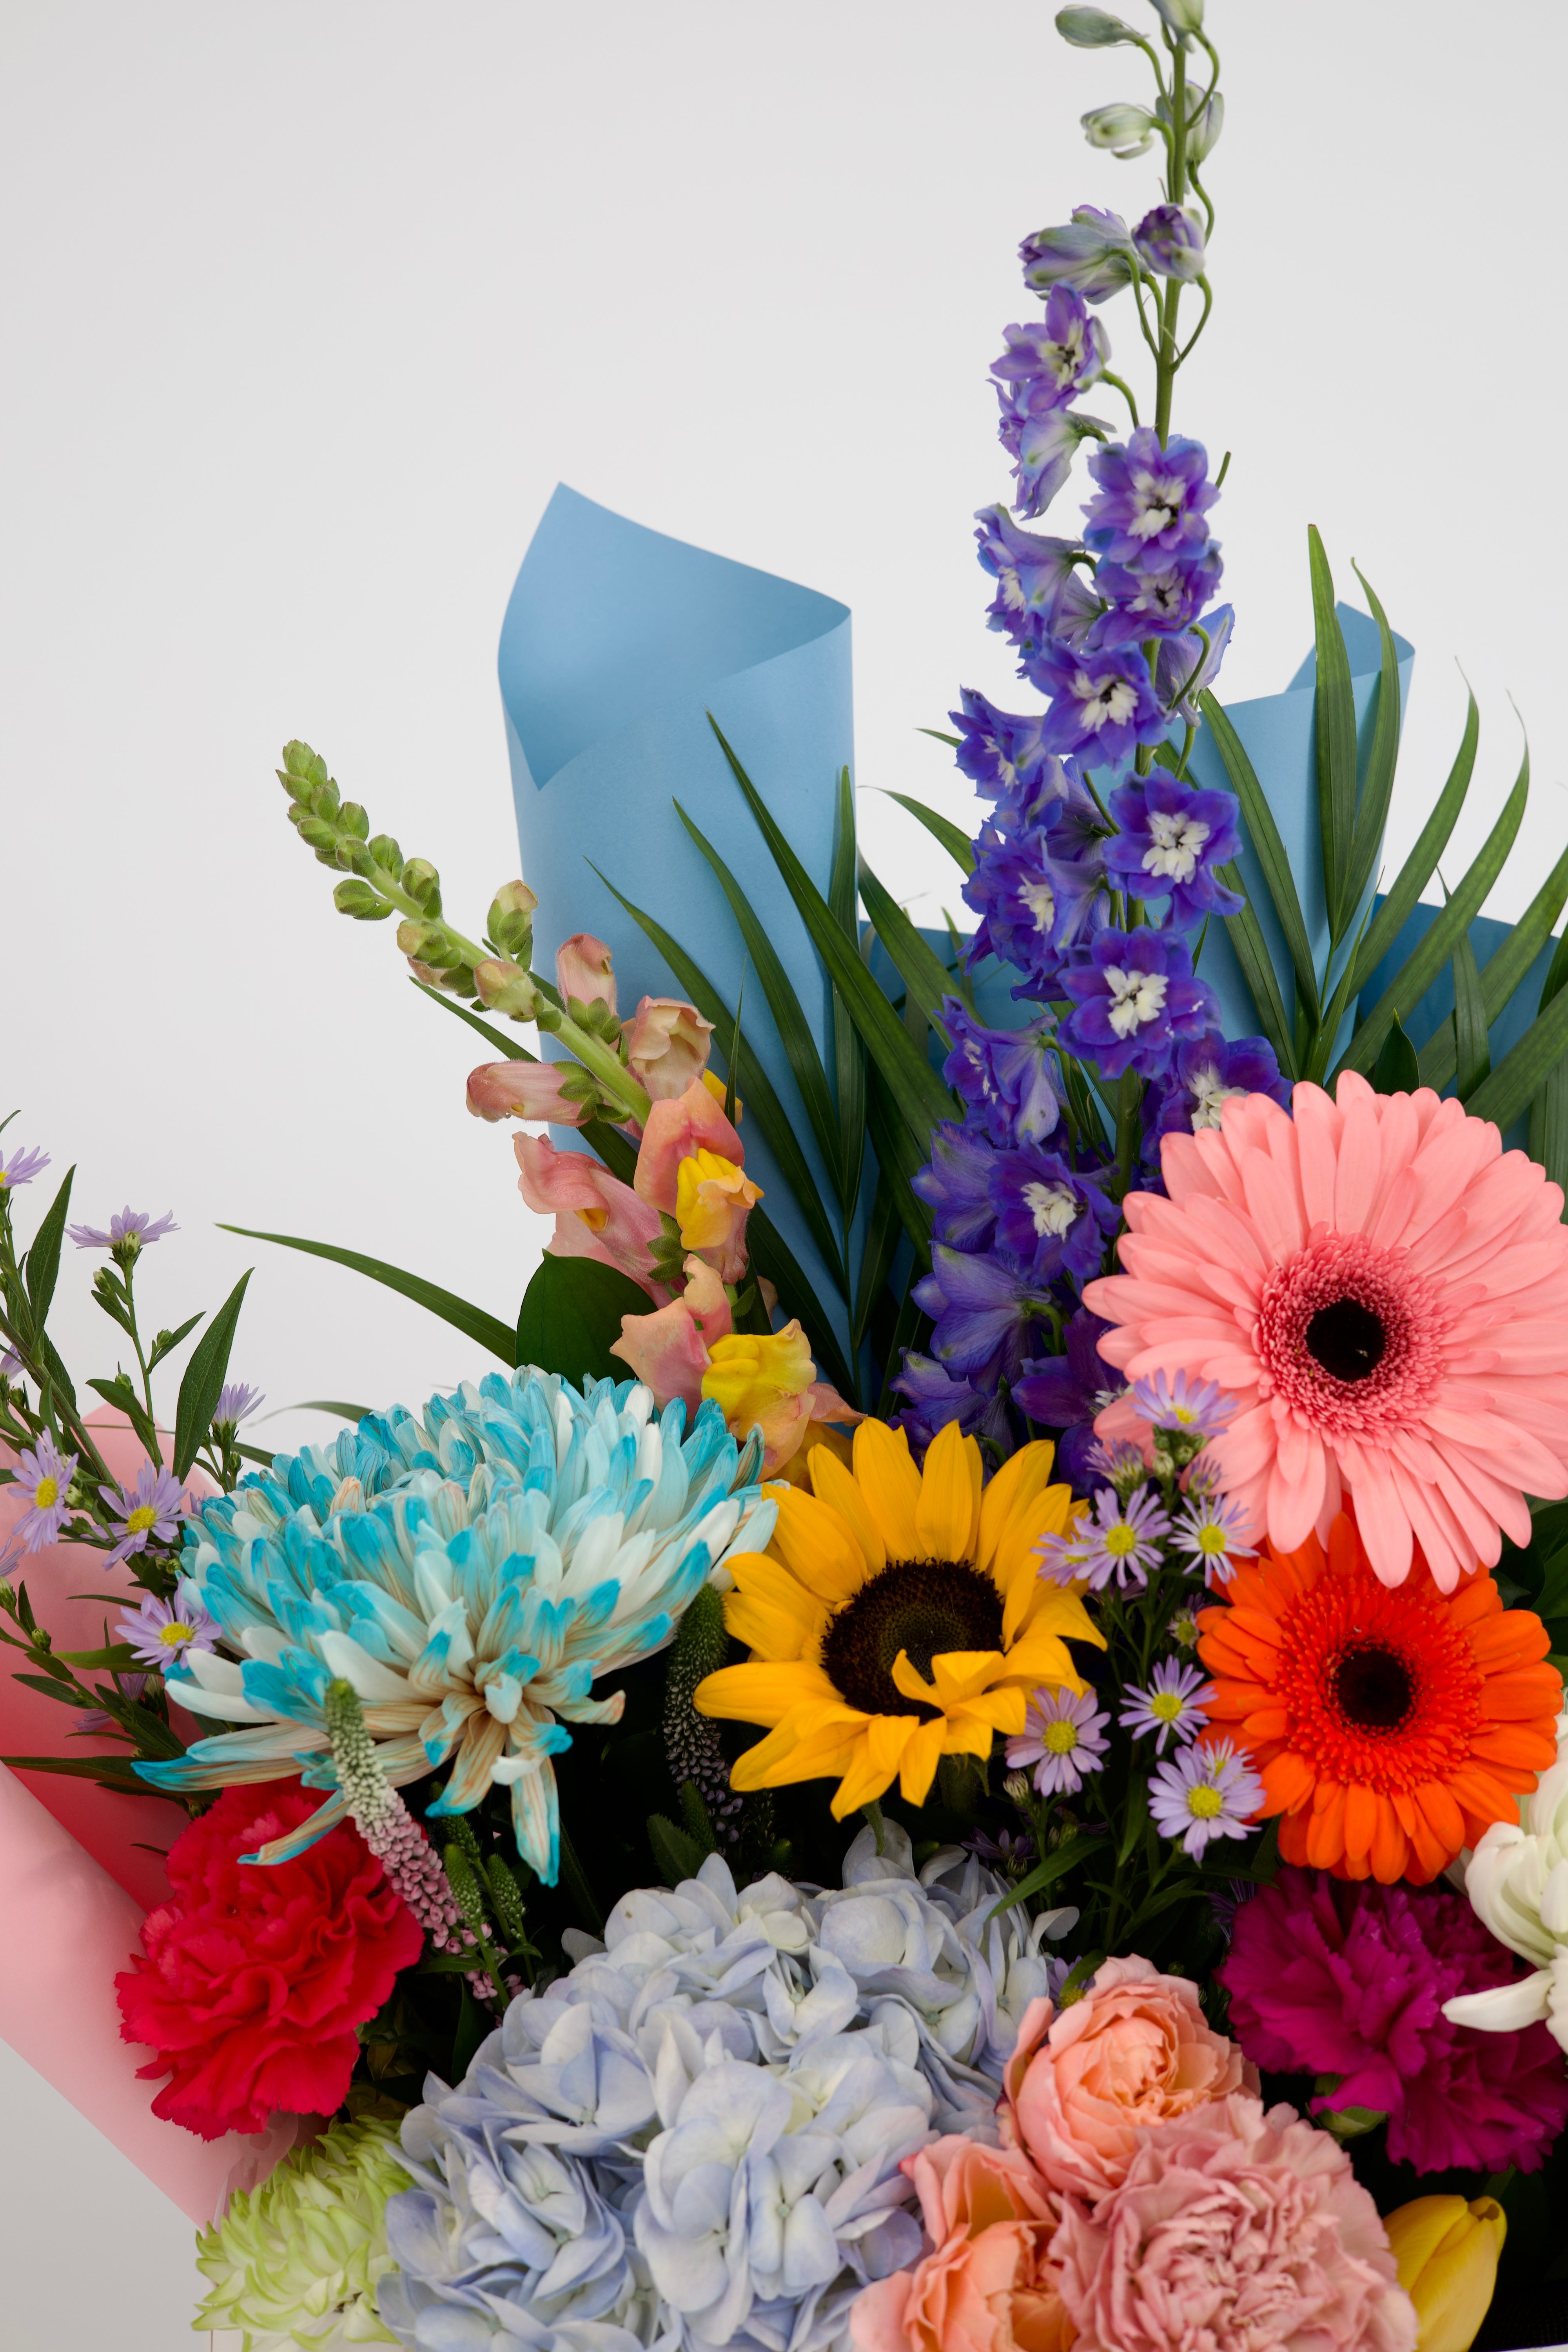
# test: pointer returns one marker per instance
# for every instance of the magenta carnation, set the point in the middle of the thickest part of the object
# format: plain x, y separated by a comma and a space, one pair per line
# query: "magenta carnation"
1326, 1976
1233, 2229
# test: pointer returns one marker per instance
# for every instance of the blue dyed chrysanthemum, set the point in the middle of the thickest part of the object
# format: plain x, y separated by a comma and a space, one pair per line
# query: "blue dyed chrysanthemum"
471, 1574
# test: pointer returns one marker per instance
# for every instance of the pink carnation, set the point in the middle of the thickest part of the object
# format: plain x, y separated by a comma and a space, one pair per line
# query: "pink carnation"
1233, 2230
1327, 1977
1136, 2049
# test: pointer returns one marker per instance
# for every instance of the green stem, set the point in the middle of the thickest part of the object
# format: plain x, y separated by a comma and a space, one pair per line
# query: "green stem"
602, 1062
136, 1343
1168, 358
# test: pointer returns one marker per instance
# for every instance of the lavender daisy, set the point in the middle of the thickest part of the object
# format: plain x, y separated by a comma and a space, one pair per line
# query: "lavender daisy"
43, 1480
1194, 1408
235, 1402
151, 1509
1212, 1529
1063, 1738
1122, 1540
130, 1231
1173, 1704
21, 1167
159, 1631
1204, 1793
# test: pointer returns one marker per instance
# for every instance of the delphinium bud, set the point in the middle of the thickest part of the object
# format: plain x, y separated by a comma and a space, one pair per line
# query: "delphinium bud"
1170, 243
692, 1740
1126, 130
1181, 17
1092, 28
1204, 126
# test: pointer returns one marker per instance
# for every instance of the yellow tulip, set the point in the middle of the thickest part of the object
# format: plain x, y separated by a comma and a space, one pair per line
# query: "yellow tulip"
1447, 2256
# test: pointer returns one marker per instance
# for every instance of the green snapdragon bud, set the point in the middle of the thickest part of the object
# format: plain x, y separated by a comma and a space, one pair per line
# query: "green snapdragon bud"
465, 1887
509, 923
357, 900
506, 988
423, 884
506, 1901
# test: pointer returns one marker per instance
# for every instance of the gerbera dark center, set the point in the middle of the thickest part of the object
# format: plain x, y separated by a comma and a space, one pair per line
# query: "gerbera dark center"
924, 1606
1373, 1687
1347, 1338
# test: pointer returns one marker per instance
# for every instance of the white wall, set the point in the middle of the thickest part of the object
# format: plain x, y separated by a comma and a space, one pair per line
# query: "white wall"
307, 307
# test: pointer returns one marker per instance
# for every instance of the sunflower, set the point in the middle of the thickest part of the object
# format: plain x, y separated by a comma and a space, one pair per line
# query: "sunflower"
1390, 1724
896, 1617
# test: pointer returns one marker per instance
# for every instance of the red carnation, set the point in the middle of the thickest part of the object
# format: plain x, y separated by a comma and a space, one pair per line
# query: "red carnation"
256, 1975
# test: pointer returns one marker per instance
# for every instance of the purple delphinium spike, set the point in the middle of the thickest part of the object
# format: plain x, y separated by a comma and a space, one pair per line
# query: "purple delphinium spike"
936, 1397
1093, 252
1042, 442
1172, 839
1054, 1220
1063, 1738
1185, 663
1058, 356
43, 1481
21, 1167
1172, 1708
1169, 242
985, 1313
1134, 1001
1206, 1073
1152, 500
1041, 590
1204, 1793
1102, 703
1010, 1080
1064, 1394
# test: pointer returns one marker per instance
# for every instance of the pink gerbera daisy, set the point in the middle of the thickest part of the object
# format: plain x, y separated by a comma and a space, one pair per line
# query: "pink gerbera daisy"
1384, 1291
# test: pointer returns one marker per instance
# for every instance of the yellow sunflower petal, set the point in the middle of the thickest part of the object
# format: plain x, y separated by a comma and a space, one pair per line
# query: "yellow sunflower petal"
998, 1710
771, 1610
761, 1693
817, 1547
887, 1738
1043, 1658
921, 1759
833, 1482
806, 1745
959, 1674
969, 1734
947, 1516
1058, 1609
891, 1482
1014, 1488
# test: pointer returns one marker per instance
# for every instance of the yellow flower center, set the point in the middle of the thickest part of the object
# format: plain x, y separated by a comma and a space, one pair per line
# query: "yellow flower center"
1205, 1801
46, 1494
1167, 1706
595, 1218
172, 1635
1120, 1540
1183, 1413
143, 1517
1060, 1738
1211, 1540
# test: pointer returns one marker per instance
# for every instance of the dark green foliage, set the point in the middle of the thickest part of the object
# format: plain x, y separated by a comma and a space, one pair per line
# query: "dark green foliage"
571, 1317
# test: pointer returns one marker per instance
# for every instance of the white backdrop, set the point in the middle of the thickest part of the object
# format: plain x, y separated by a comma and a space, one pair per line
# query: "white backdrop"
307, 309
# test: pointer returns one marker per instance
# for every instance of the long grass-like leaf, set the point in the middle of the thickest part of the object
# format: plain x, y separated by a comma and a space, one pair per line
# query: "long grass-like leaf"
1467, 1029
204, 1378
921, 971
1504, 971
900, 1158
618, 1156
921, 1096
1252, 954
848, 1054
1372, 812
1277, 879
488, 1331
1422, 863
1549, 1111
755, 1086
1334, 725
882, 1231
1427, 960
953, 837
1521, 1074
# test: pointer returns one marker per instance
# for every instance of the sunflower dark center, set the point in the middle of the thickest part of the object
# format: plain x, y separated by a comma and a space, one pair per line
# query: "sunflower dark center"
924, 1606
1347, 1338
1373, 1687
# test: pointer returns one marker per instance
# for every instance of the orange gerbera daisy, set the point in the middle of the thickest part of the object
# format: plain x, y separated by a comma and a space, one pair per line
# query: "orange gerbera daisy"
1390, 1724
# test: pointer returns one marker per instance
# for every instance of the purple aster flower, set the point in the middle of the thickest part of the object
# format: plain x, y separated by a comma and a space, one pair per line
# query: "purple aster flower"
1173, 837
1009, 1850
235, 1402
956, 1183
1009, 1079
1157, 600
1121, 1462
1104, 705
1169, 243
1042, 443
1064, 1394
1063, 1738
43, 1481
1058, 356
1122, 1540
1172, 1708
1151, 502
129, 1231
1040, 592
1193, 1408
1184, 664
160, 1632
1203, 1793
21, 1167
10, 1365
985, 1312
1092, 252
1207, 1072
936, 1398
1213, 1528
1134, 1001
1053, 1218
152, 1507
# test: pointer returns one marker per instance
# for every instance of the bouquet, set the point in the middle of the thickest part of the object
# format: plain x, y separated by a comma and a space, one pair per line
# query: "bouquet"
957, 1745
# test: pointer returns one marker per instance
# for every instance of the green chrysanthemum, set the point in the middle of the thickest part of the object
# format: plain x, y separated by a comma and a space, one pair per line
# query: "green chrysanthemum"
297, 2261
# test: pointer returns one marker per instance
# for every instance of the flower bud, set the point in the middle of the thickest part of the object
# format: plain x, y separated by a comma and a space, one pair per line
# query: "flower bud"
1180, 17
301, 771
1092, 252
1447, 2256
506, 988
1204, 126
386, 854
422, 884
324, 799
1016, 1788
667, 1046
426, 943
1170, 243
317, 834
1091, 29
558, 1091
509, 923
584, 968
357, 898
352, 820
1127, 131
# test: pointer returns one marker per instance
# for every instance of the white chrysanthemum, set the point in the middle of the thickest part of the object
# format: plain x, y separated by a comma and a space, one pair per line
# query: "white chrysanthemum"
1517, 1880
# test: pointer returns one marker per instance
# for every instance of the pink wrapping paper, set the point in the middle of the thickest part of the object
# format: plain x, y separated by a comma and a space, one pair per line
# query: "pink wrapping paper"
79, 1868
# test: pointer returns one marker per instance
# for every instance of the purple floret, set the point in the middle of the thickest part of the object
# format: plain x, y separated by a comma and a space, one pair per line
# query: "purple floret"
1053, 1218
1173, 837
1103, 705
1152, 500
1204, 1075
1058, 355
1009, 1079
1040, 589
1134, 1001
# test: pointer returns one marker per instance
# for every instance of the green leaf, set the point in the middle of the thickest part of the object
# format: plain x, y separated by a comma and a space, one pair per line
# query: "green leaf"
167, 1341
120, 1658
1427, 960
882, 1232
488, 1331
203, 1380
1252, 954
756, 1088
42, 1263
1524, 1070
119, 1393
1548, 1111
848, 1054
324, 1404
1505, 969
953, 837
921, 971
618, 1155
1371, 814
900, 1159
676, 1851
1045, 1874
1264, 834
571, 1314
1396, 1071
920, 1097
1422, 863
1468, 1026
1135, 1818
108, 1771
1333, 726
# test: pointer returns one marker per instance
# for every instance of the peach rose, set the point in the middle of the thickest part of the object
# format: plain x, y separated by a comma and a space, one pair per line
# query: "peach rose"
1135, 2050
989, 2284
